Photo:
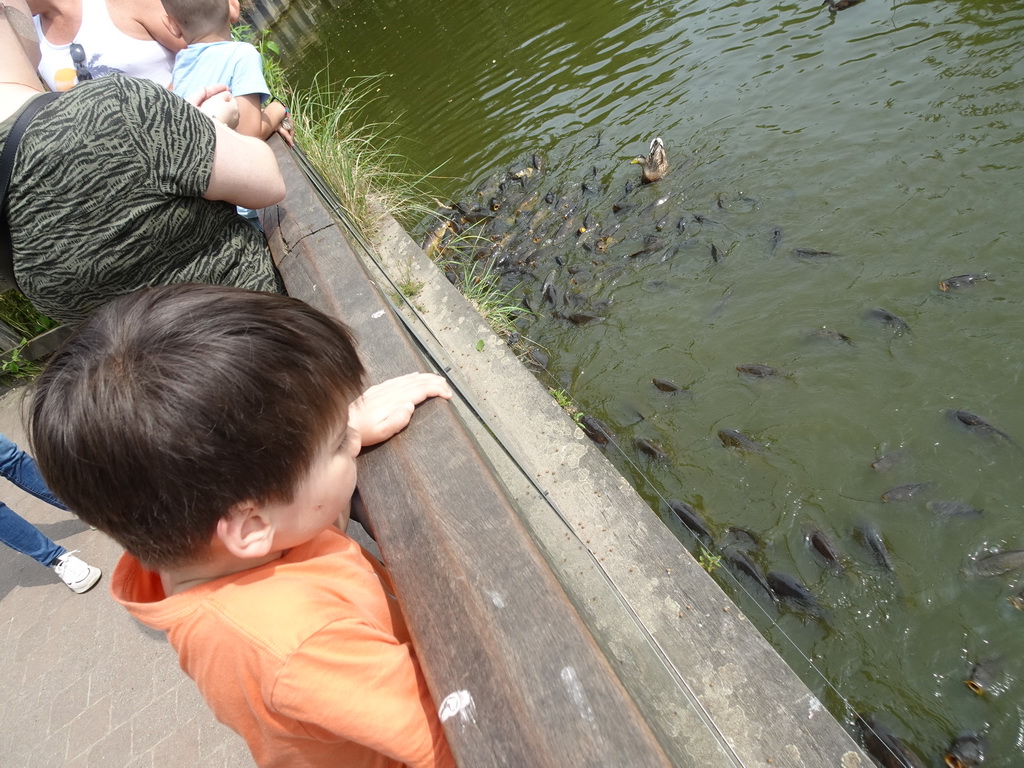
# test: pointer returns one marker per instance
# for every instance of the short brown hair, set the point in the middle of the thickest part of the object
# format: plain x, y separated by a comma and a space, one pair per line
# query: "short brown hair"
197, 17
173, 404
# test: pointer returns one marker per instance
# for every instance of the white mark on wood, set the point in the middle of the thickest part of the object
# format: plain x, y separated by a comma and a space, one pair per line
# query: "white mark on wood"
497, 599
814, 708
377, 314
458, 704
574, 688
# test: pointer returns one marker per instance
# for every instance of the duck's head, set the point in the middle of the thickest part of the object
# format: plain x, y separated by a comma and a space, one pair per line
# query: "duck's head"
655, 165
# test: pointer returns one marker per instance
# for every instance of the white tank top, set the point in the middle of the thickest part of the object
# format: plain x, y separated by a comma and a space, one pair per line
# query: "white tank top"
107, 50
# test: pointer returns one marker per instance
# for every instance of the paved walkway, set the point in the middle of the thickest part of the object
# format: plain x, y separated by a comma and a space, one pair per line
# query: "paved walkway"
85, 686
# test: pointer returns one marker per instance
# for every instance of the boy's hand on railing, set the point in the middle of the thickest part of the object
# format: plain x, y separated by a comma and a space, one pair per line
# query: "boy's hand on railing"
277, 114
385, 409
287, 131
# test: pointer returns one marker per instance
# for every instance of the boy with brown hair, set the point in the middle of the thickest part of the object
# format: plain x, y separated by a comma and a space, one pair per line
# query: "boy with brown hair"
213, 432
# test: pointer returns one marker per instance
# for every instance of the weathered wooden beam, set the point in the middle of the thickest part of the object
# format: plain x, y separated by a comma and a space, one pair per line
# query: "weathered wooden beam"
519, 679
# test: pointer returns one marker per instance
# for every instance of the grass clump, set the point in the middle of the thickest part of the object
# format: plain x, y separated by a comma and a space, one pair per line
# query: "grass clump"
15, 368
468, 263
480, 287
18, 312
26, 321
708, 560
355, 157
409, 287
564, 401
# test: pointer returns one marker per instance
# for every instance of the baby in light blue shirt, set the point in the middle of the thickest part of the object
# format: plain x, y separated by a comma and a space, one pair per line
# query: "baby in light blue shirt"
211, 57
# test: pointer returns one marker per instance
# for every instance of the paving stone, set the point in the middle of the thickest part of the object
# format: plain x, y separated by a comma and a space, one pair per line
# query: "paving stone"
152, 723
91, 726
179, 747
69, 704
85, 685
115, 748
144, 760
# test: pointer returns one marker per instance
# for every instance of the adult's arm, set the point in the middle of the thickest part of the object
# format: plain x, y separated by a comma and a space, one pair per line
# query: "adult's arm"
18, 58
150, 14
245, 171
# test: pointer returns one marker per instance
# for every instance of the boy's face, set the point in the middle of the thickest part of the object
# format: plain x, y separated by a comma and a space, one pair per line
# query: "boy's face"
324, 495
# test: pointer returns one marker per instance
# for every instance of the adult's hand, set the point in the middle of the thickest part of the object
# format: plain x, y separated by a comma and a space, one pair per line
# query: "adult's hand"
217, 102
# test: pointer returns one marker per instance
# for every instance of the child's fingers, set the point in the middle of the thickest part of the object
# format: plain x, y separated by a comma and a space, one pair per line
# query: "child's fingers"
377, 425
386, 408
426, 385
415, 387
397, 419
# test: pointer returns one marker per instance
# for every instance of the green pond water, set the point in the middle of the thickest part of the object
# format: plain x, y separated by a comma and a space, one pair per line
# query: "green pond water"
890, 135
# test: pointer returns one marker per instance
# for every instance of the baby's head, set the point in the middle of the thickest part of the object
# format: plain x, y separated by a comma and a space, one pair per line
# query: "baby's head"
197, 18
171, 405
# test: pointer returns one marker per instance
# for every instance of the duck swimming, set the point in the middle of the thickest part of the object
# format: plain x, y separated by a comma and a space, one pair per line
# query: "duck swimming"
655, 165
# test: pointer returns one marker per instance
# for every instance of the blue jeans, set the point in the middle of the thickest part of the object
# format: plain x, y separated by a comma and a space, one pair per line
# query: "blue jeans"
16, 532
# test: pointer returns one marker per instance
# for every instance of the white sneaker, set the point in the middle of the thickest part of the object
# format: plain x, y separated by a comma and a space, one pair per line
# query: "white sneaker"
77, 574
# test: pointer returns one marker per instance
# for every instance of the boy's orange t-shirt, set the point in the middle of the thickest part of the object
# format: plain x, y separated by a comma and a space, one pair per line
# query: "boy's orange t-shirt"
308, 658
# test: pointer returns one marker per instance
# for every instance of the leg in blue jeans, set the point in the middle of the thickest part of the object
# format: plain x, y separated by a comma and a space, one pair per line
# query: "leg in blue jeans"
20, 535
16, 532
20, 468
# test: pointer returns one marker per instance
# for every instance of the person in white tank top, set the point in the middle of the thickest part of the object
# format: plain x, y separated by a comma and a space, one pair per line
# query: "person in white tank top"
126, 36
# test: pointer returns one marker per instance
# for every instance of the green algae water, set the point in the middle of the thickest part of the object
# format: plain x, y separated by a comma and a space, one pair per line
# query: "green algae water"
829, 171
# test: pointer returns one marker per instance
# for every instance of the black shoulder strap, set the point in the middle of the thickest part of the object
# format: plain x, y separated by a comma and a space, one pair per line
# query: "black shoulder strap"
6, 167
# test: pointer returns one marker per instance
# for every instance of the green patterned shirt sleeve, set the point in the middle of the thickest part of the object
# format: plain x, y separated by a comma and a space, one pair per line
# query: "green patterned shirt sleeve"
180, 156
106, 197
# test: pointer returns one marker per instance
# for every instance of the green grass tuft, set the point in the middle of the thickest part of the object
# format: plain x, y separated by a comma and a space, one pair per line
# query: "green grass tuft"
18, 312
354, 156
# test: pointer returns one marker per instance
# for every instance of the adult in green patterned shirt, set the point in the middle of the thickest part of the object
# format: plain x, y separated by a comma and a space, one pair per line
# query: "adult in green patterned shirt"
119, 184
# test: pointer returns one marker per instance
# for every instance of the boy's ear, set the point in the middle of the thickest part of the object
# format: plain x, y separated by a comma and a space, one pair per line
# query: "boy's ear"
245, 532
234, 11
173, 28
